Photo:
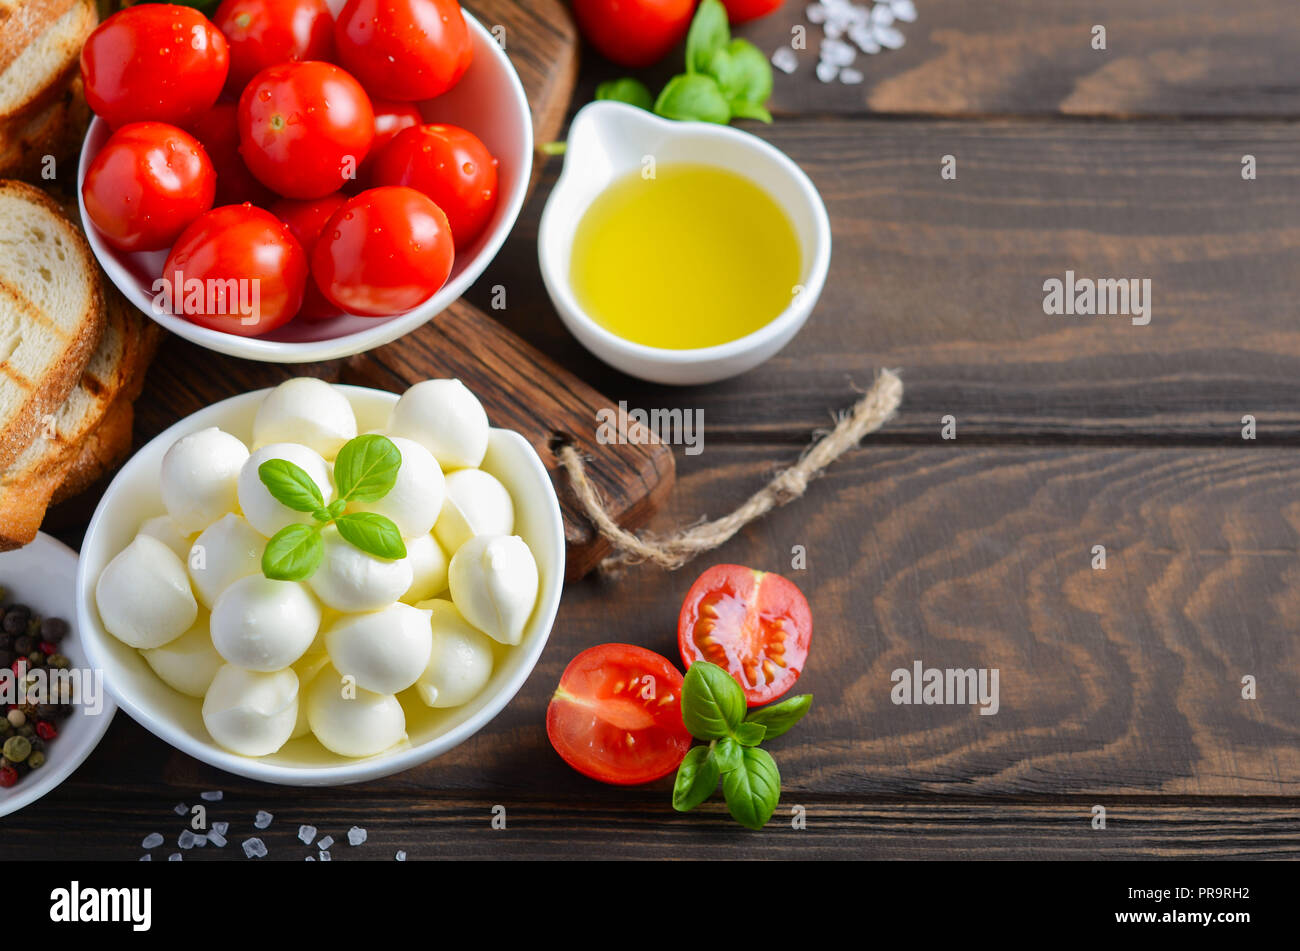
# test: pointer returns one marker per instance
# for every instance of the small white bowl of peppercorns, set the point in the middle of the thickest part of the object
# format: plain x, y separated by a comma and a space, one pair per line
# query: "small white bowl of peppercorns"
53, 707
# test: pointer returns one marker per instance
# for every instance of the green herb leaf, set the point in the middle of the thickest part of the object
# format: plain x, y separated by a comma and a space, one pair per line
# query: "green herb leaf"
293, 553
749, 734
728, 754
749, 110
631, 91
697, 777
366, 468
290, 485
693, 97
709, 32
753, 789
712, 702
779, 717
750, 74
336, 508
372, 533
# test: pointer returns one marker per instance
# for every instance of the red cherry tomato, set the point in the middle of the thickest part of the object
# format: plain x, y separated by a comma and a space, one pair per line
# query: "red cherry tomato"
148, 182
154, 61
304, 128
405, 50
741, 11
218, 130
262, 33
452, 167
634, 32
383, 252
617, 715
753, 624
306, 219
245, 254
390, 119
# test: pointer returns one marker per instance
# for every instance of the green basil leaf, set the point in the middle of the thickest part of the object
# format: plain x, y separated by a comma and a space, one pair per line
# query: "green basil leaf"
749, 734
372, 533
779, 717
631, 91
693, 97
697, 777
722, 69
753, 789
293, 553
750, 74
728, 754
366, 468
290, 485
709, 32
748, 110
712, 702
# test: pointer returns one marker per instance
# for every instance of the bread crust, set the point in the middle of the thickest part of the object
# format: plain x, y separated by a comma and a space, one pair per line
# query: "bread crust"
21, 21
68, 54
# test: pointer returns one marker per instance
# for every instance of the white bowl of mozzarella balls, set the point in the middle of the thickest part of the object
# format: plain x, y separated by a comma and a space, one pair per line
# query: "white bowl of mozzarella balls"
366, 666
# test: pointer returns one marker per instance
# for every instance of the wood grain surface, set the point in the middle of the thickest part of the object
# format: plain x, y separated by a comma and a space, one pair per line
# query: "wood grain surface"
1119, 687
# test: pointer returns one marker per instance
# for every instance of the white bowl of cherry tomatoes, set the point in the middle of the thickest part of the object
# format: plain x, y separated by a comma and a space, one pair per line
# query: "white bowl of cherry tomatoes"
299, 180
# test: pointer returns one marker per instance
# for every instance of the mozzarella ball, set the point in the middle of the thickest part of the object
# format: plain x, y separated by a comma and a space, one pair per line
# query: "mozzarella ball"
166, 531
384, 651
352, 580
198, 478
414, 501
493, 580
428, 568
265, 625
308, 411
445, 418
227, 550
251, 713
350, 720
189, 663
477, 504
307, 667
460, 662
144, 595
263, 511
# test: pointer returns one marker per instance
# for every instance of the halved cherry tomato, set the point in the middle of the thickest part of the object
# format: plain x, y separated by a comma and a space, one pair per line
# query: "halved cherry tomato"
383, 252
405, 50
741, 11
450, 165
617, 715
230, 245
304, 128
218, 130
262, 33
154, 61
148, 182
306, 219
634, 32
753, 624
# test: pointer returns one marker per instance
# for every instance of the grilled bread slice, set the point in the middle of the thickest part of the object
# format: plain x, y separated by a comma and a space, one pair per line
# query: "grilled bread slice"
51, 313
55, 130
22, 21
47, 62
103, 451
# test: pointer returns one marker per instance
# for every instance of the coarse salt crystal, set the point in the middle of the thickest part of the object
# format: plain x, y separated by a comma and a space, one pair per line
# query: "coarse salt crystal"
356, 835
254, 848
306, 834
174, 857
325, 843
221, 827
185, 840
213, 795
400, 856
826, 72
180, 809
146, 857
904, 10
152, 840
865, 39
324, 856
785, 60
833, 30
882, 15
200, 840
851, 77
217, 839
889, 38
310, 858
838, 52
816, 14
262, 819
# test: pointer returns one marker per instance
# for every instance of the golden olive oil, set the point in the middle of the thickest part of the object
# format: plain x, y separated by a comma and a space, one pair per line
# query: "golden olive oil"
694, 256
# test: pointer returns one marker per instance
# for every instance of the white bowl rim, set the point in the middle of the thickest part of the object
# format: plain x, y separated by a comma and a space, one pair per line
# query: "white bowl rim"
386, 330
343, 773
559, 285
58, 768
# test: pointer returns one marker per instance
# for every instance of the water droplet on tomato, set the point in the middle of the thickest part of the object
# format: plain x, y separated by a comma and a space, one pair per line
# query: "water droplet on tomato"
468, 168
264, 95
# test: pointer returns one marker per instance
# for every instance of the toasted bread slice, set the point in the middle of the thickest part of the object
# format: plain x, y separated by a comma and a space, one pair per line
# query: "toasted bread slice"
103, 451
54, 131
51, 312
22, 21
47, 62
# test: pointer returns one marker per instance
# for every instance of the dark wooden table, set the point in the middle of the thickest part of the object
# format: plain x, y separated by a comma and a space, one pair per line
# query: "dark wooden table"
1119, 687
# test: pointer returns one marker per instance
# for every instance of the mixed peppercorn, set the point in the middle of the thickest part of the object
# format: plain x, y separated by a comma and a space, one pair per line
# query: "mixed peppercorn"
29, 642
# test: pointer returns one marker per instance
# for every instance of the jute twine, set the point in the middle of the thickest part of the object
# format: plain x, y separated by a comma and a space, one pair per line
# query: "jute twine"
871, 412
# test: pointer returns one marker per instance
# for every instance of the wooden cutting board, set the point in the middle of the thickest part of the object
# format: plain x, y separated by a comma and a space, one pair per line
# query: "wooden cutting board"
521, 388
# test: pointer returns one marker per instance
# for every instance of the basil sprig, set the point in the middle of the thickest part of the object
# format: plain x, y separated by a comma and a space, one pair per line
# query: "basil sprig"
725, 79
713, 709
365, 471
